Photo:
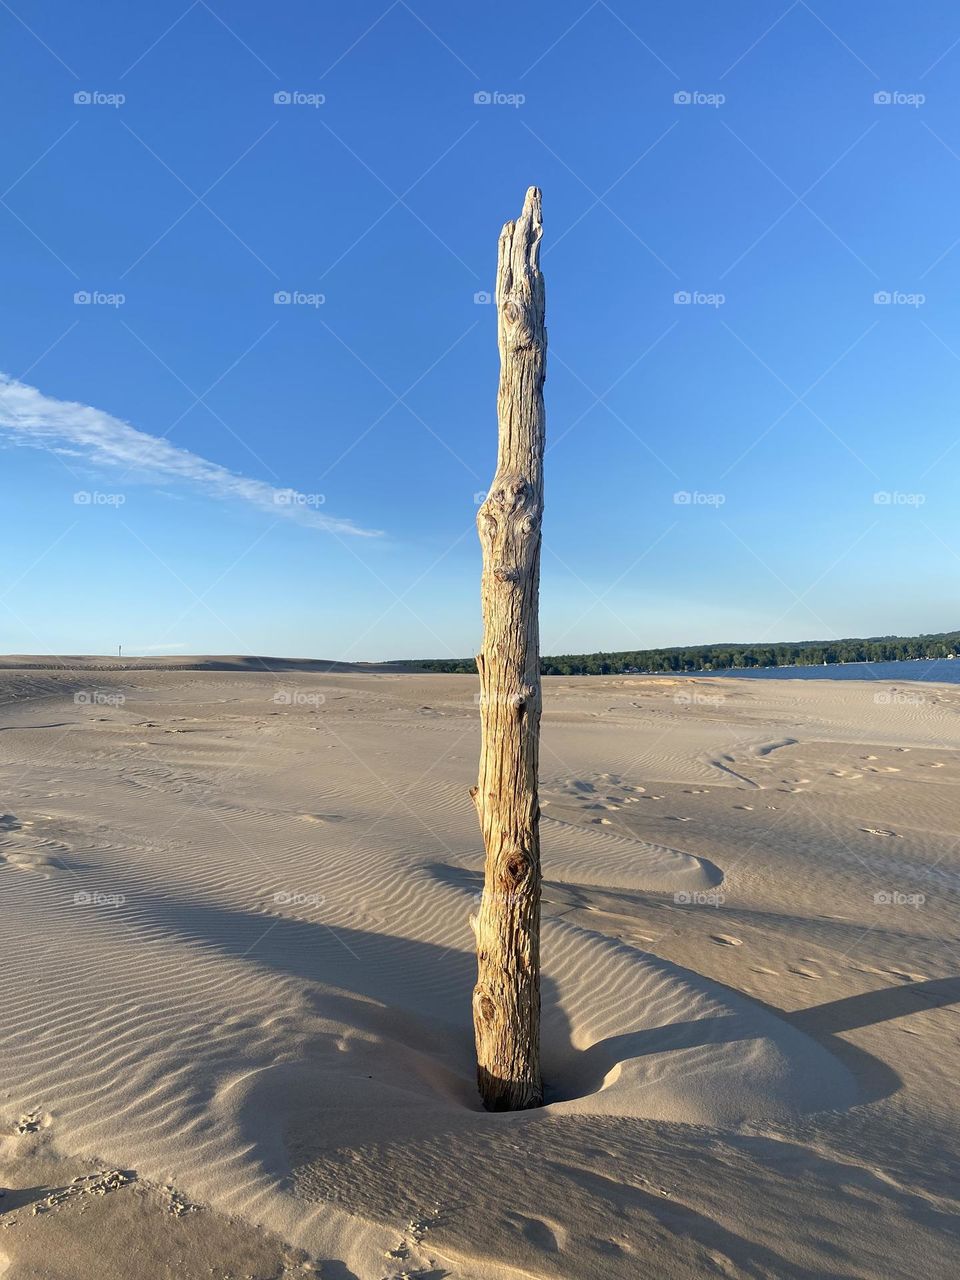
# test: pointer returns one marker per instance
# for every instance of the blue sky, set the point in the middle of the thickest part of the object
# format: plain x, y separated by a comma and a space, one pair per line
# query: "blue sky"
300, 478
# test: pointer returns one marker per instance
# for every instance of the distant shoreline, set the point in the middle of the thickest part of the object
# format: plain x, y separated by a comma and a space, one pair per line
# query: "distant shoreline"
917, 670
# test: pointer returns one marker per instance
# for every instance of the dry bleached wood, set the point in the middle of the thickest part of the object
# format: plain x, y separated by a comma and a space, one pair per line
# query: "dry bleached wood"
506, 999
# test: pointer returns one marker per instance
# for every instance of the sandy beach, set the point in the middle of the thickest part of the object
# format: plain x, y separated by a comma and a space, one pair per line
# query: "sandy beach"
236, 1031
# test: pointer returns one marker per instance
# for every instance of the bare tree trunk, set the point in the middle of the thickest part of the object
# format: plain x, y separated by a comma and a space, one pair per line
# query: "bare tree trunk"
506, 999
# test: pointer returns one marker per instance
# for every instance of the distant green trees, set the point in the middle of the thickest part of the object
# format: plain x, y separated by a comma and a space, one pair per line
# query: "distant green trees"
804, 653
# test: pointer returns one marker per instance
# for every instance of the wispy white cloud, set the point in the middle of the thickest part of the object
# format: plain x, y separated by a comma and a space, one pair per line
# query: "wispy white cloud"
28, 417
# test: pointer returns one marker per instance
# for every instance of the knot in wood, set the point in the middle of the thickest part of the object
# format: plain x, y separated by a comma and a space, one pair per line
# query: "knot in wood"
510, 493
487, 523
517, 324
515, 869
487, 1009
506, 573
513, 500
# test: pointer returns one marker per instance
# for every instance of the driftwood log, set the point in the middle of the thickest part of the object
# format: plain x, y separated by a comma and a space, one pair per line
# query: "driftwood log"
506, 999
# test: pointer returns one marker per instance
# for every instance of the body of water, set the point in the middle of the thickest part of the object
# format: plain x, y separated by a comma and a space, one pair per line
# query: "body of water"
944, 670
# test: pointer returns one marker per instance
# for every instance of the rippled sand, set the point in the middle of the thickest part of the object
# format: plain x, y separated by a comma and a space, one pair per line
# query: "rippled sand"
237, 971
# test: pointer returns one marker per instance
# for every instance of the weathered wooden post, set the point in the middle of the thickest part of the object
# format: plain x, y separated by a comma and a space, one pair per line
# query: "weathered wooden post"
506, 999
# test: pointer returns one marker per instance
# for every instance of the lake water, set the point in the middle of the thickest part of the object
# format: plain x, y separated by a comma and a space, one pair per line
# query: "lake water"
944, 670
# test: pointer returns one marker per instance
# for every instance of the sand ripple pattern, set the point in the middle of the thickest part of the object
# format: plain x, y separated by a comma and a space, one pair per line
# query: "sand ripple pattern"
231, 945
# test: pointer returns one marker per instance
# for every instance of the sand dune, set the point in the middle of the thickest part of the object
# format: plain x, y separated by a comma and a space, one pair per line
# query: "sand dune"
238, 968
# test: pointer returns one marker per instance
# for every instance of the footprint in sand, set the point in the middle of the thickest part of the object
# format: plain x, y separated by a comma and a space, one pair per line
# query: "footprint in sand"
881, 831
806, 973
771, 973
29, 1122
726, 940
546, 1236
749, 807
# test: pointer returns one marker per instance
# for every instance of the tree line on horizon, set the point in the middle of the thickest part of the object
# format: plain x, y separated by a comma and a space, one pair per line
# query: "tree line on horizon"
726, 657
